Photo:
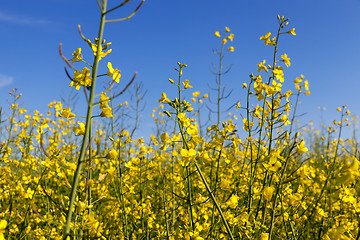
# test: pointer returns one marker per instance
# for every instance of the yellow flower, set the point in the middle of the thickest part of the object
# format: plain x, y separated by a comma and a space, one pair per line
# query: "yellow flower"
285, 120
292, 31
286, 60
273, 164
186, 84
182, 117
336, 233
247, 124
301, 147
104, 100
231, 49
165, 137
262, 66
192, 130
224, 41
233, 201
227, 29
77, 56
107, 112
196, 94
306, 85
266, 38
104, 106
349, 172
79, 130
66, 113
94, 48
187, 156
81, 78
187, 153
299, 80
279, 74
276, 86
163, 98
288, 94
231, 37
268, 192
114, 73
3, 224
217, 34
112, 154
264, 236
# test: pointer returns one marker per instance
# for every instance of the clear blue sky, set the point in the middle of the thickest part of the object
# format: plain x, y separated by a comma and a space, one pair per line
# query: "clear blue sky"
325, 50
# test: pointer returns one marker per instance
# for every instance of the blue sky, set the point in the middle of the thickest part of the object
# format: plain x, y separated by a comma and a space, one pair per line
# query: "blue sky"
325, 50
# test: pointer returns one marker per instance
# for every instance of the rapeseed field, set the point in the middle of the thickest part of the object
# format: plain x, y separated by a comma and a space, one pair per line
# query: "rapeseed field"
65, 176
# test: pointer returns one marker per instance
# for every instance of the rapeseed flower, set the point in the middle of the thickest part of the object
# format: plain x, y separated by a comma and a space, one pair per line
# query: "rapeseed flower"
81, 78
262, 66
95, 46
268, 192
3, 224
163, 98
349, 172
187, 84
301, 148
66, 113
79, 130
77, 56
113, 73
286, 60
292, 31
231, 49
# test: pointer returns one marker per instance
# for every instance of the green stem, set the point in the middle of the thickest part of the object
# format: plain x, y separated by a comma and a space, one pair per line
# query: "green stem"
214, 200
122, 194
214, 189
173, 185
87, 126
272, 223
165, 211
190, 199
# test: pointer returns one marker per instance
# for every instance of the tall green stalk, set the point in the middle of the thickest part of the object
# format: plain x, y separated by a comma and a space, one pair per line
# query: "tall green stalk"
88, 123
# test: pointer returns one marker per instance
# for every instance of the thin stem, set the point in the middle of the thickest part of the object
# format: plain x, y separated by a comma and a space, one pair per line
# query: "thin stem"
128, 17
214, 200
87, 125
272, 223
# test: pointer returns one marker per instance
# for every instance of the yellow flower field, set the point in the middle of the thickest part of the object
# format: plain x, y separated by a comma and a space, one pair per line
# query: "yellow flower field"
254, 176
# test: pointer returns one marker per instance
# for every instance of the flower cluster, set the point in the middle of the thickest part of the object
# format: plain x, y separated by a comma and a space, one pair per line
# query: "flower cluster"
104, 106
227, 36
